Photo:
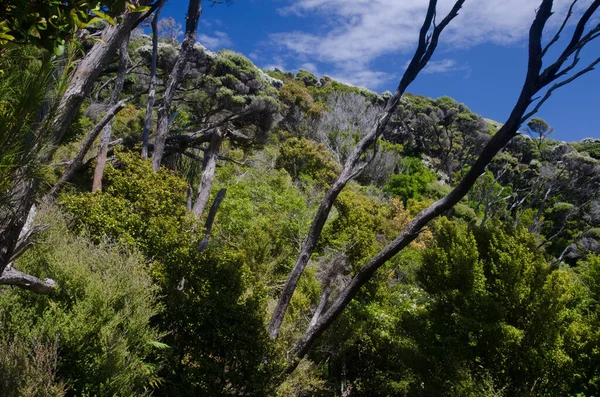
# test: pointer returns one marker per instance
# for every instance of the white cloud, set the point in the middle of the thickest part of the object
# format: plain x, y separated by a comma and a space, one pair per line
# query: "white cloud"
311, 67
363, 78
358, 32
444, 66
218, 41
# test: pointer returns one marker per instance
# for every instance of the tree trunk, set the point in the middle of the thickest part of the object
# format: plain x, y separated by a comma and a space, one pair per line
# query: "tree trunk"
11, 276
535, 81
107, 130
321, 307
79, 86
425, 49
187, 46
87, 144
410, 233
211, 218
153, 83
209, 166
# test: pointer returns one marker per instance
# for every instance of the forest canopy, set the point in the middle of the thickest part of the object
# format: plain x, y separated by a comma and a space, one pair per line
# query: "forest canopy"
177, 221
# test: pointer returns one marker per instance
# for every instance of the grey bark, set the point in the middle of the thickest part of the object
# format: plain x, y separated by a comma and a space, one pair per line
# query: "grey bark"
107, 130
14, 277
320, 307
207, 176
536, 80
426, 47
153, 83
177, 74
214, 208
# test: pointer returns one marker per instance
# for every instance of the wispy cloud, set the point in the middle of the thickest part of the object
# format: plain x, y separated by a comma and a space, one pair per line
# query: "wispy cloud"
358, 32
363, 78
217, 41
444, 66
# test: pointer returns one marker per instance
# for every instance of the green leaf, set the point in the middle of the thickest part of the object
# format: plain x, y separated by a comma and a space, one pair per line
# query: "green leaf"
159, 345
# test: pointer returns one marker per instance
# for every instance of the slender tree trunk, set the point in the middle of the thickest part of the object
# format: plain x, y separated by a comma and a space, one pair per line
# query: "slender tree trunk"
107, 130
321, 307
153, 83
177, 74
410, 233
536, 80
425, 49
214, 208
540, 211
209, 166
87, 144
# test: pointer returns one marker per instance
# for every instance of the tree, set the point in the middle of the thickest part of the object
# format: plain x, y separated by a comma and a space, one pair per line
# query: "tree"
224, 98
169, 29
495, 310
51, 24
153, 83
107, 130
537, 79
175, 78
539, 130
48, 134
426, 47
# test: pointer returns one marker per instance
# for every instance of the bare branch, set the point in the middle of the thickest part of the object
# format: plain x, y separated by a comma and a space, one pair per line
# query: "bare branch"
87, 144
557, 86
560, 30
14, 277
425, 48
533, 84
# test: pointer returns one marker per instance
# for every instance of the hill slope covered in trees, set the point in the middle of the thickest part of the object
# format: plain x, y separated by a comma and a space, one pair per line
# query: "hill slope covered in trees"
181, 222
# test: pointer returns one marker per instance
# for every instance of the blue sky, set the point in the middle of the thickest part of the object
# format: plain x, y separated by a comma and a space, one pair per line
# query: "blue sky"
481, 59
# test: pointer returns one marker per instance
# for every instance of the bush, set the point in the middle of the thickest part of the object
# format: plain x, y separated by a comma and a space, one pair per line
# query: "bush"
309, 79
99, 316
213, 307
411, 184
304, 157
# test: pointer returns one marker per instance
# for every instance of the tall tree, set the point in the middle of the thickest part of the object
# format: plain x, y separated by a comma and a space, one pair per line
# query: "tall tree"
537, 79
426, 46
54, 126
175, 78
153, 82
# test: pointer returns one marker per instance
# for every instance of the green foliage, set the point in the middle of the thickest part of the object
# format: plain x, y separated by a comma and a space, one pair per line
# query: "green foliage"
280, 75
321, 93
128, 122
49, 23
214, 308
220, 346
539, 127
497, 316
412, 183
302, 157
99, 318
294, 94
232, 86
359, 219
309, 79
28, 368
305, 380
138, 208
23, 92
589, 146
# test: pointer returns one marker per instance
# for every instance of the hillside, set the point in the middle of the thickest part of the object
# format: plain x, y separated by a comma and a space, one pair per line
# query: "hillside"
188, 224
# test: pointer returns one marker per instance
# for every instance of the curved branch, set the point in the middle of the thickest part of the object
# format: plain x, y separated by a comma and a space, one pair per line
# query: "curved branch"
425, 49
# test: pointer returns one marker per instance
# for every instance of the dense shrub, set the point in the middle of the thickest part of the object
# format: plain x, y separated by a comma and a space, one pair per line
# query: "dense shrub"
98, 320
